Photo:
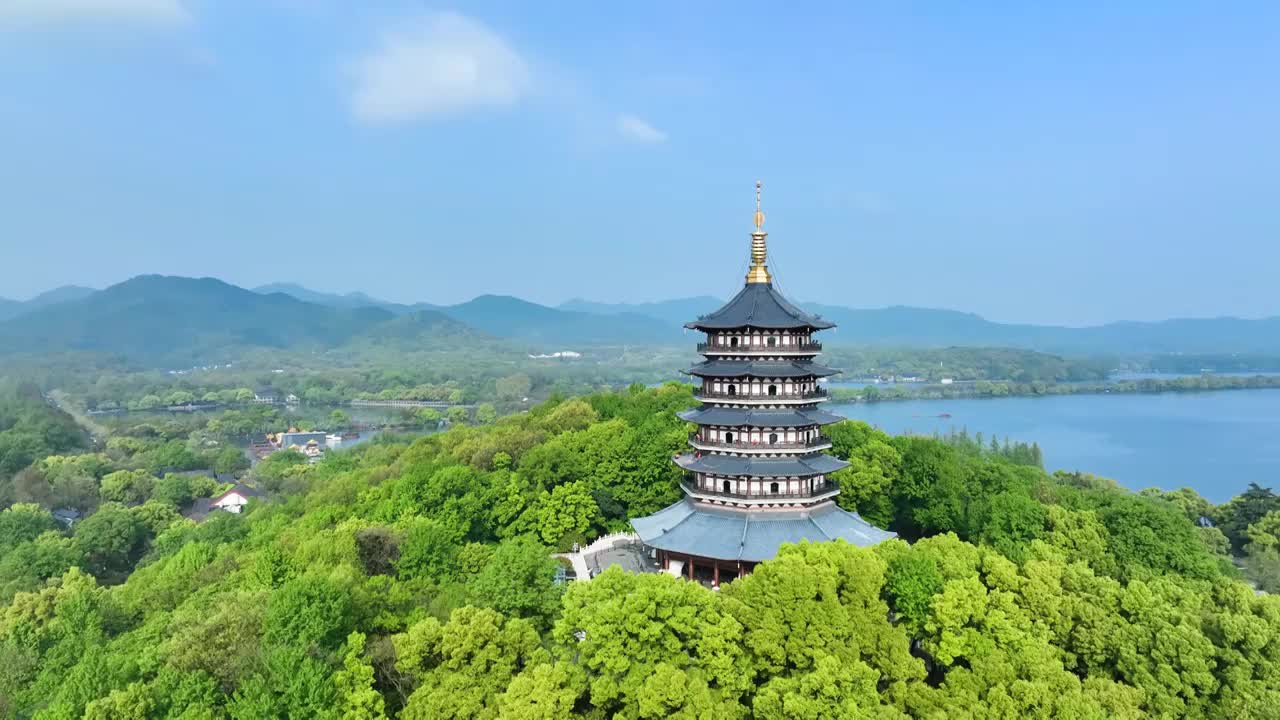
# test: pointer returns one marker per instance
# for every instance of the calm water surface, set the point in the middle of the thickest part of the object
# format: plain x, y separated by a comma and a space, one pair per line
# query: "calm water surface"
1214, 442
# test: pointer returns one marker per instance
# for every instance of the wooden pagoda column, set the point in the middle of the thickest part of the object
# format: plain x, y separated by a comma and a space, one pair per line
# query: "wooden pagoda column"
715, 574
690, 567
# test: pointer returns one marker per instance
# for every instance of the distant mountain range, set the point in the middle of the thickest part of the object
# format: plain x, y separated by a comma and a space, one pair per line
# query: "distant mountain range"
153, 318
13, 308
673, 313
511, 317
156, 316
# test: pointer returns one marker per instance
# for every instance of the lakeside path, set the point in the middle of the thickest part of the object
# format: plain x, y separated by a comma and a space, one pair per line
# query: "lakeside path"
60, 400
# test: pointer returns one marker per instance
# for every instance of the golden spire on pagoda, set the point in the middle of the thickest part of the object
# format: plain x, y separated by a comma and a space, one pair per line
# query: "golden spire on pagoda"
759, 272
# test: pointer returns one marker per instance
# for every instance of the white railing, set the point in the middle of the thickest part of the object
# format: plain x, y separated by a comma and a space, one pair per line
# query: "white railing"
611, 540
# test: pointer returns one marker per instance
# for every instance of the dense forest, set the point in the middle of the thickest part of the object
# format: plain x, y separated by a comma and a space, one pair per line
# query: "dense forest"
414, 579
31, 428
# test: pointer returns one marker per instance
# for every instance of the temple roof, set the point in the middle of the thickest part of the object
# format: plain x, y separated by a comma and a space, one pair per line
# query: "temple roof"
759, 305
740, 465
694, 529
760, 368
739, 417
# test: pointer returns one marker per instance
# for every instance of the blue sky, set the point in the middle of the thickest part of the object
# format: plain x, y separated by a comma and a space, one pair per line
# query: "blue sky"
1046, 162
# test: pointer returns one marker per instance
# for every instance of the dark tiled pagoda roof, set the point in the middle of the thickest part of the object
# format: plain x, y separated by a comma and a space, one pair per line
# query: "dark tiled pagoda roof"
760, 369
759, 305
699, 530
742, 417
740, 465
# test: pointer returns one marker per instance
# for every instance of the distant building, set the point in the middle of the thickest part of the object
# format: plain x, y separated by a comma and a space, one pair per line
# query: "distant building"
266, 397
286, 440
234, 500
313, 450
66, 516
756, 474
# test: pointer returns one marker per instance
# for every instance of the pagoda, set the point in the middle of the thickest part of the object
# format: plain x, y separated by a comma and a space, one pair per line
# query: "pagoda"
756, 474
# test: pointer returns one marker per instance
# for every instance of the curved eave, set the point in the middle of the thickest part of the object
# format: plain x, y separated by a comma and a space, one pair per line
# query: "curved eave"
739, 417
748, 466
760, 369
689, 528
704, 326
759, 305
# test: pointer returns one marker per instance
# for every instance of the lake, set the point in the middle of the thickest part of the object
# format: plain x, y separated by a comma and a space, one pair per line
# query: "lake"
1214, 442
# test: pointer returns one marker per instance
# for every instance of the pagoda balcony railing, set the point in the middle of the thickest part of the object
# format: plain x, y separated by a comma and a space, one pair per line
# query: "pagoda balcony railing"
804, 348
821, 441
807, 396
828, 489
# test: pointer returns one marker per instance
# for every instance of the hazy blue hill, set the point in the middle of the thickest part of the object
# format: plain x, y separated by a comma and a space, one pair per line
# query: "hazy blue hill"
347, 300
9, 308
66, 293
154, 316
511, 317
673, 312
932, 328
424, 330
938, 328
1184, 335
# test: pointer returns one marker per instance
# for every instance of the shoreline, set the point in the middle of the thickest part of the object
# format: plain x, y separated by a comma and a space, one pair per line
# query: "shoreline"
986, 389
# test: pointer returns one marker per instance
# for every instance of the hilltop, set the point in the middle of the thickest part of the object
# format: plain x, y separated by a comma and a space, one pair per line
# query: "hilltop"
13, 308
153, 317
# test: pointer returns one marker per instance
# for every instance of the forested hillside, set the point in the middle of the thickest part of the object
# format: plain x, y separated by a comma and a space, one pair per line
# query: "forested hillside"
30, 429
414, 580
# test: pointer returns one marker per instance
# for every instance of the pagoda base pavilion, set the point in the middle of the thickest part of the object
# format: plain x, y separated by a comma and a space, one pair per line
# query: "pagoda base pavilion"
692, 536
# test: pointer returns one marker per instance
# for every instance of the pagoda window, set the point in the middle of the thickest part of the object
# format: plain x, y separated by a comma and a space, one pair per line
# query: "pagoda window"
773, 438
728, 437
773, 390
733, 342
733, 389
727, 487
773, 488
773, 342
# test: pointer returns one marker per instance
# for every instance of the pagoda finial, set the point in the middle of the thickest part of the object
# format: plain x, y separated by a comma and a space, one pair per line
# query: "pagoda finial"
759, 212
759, 272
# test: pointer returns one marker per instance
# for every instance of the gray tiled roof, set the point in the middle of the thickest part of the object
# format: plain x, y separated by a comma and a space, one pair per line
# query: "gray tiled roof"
739, 465
759, 305
691, 528
741, 417
760, 368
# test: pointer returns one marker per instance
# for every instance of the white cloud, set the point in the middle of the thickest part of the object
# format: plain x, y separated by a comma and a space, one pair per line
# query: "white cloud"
37, 13
636, 130
443, 63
